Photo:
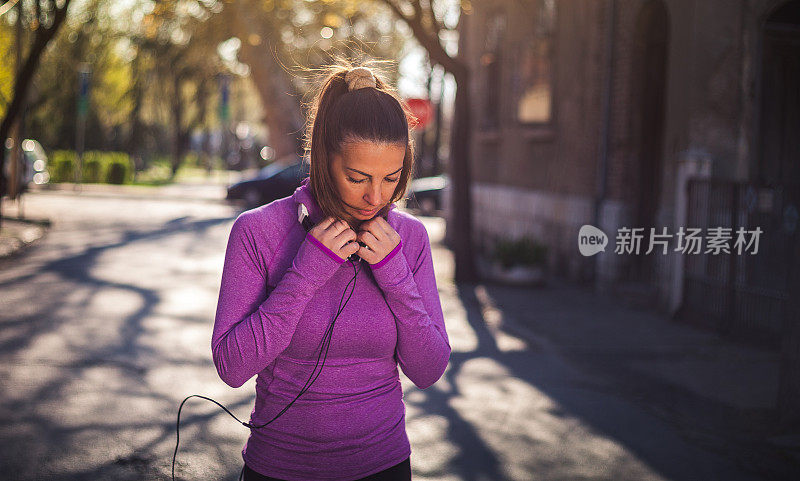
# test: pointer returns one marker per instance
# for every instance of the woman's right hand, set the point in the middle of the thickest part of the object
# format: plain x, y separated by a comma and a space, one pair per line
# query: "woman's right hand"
337, 236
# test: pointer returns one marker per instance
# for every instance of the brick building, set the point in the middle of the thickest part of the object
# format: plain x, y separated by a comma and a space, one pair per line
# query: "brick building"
601, 111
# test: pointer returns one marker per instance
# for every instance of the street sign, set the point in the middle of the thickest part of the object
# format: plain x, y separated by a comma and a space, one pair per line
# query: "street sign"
84, 75
422, 110
224, 110
84, 80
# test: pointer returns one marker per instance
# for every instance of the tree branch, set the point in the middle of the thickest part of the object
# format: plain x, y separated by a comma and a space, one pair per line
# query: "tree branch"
24, 77
438, 27
429, 41
397, 10
417, 11
40, 40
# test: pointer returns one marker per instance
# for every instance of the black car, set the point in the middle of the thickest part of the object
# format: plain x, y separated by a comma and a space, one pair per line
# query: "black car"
425, 194
275, 181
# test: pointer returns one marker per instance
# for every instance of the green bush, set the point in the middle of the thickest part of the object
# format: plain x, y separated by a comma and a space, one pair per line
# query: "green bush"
191, 160
109, 167
92, 167
62, 166
161, 160
525, 251
117, 172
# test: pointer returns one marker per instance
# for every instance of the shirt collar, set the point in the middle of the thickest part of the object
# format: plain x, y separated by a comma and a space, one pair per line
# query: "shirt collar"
304, 195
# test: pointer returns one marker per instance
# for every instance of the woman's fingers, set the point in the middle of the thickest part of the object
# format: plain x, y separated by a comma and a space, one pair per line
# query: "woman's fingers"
336, 227
368, 238
379, 238
345, 236
319, 230
336, 235
349, 249
326, 222
327, 229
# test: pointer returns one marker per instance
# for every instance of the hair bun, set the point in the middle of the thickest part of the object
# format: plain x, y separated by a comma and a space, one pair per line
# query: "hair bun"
358, 78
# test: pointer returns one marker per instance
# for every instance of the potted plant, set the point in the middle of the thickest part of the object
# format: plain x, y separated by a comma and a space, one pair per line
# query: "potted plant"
517, 261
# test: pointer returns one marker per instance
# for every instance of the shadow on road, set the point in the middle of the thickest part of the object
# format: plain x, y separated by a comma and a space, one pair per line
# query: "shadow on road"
43, 383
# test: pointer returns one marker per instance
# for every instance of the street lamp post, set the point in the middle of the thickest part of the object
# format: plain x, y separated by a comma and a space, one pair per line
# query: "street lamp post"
84, 76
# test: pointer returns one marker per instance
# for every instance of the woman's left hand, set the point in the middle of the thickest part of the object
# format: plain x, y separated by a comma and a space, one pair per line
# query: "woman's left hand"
379, 237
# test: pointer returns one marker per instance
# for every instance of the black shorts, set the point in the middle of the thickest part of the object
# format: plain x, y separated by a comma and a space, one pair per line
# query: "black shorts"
398, 472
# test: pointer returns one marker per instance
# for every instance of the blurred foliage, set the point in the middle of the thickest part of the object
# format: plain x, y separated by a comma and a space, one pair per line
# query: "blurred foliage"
85, 37
98, 167
156, 68
62, 166
7, 61
35, 24
308, 34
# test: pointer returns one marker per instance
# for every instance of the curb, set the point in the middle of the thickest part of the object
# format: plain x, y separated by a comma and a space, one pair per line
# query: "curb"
25, 232
131, 192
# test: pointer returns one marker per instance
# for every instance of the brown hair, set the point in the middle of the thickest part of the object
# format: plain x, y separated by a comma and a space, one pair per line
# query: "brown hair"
338, 116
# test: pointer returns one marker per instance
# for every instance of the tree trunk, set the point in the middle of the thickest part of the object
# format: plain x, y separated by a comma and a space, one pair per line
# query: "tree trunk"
438, 132
25, 77
136, 137
461, 176
282, 113
177, 122
460, 139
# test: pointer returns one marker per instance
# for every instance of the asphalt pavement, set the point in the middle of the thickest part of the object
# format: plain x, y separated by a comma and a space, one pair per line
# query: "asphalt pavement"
105, 325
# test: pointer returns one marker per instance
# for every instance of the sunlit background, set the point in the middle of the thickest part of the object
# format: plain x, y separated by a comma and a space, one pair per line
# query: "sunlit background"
570, 156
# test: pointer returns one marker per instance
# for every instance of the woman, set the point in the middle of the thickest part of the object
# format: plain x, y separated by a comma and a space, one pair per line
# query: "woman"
282, 287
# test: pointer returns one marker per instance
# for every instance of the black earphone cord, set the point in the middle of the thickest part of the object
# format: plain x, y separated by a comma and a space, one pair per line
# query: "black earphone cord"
325, 344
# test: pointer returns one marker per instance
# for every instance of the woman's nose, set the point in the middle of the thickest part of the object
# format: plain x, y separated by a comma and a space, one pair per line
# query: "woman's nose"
373, 196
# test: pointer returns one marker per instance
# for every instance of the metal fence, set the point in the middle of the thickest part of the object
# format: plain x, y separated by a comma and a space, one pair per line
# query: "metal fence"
743, 295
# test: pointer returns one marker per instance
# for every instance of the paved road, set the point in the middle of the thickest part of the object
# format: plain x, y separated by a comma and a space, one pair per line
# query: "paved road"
105, 327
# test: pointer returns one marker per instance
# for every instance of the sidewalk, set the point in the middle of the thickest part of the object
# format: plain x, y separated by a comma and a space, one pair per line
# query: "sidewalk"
204, 188
16, 234
19, 232
718, 393
201, 192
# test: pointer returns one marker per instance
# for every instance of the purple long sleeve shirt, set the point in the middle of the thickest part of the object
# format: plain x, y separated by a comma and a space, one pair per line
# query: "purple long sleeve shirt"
280, 290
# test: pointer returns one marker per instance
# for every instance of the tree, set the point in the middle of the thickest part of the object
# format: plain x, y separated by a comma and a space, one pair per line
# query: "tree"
178, 44
274, 34
257, 25
429, 28
44, 20
294, 27
88, 36
6, 65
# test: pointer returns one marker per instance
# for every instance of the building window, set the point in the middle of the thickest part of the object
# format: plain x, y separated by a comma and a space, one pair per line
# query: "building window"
534, 82
490, 68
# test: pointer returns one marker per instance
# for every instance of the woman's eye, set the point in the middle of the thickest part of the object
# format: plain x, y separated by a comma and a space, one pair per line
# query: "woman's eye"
364, 180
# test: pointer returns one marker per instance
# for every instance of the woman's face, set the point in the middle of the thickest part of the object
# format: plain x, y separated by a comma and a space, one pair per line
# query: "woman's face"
366, 175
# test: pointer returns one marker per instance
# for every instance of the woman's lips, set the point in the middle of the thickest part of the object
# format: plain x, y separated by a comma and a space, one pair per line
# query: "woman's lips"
367, 212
